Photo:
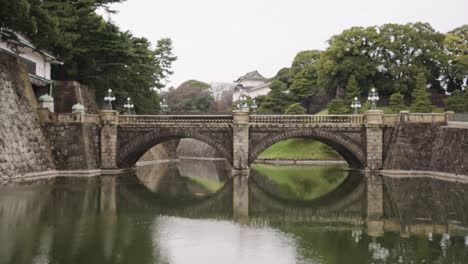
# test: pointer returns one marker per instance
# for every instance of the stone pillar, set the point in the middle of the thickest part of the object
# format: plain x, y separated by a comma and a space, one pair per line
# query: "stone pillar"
375, 226
240, 198
374, 139
448, 116
240, 142
109, 121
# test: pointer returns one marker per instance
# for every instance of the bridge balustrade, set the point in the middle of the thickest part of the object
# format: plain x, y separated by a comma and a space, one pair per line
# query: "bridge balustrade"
155, 119
353, 119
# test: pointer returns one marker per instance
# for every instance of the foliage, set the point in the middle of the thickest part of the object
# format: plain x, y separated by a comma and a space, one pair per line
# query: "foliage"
457, 102
95, 52
397, 102
276, 100
191, 96
352, 90
389, 57
295, 109
348, 54
284, 75
338, 107
455, 70
421, 102
303, 76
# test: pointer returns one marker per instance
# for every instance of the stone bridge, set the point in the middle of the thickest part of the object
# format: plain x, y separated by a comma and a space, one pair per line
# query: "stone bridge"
241, 137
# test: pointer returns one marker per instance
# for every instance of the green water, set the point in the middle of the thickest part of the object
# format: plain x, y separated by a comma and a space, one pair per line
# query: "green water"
174, 213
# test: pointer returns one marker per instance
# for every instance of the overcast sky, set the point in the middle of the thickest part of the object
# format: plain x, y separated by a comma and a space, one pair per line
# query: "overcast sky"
219, 40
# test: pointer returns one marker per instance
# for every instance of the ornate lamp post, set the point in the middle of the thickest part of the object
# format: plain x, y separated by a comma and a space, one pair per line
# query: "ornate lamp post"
373, 98
129, 105
109, 98
356, 105
242, 104
164, 106
254, 106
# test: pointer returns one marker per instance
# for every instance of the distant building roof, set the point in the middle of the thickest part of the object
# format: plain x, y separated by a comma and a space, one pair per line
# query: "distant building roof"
254, 75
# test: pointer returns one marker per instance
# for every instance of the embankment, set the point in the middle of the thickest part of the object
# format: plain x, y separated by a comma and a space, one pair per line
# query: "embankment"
23, 147
428, 147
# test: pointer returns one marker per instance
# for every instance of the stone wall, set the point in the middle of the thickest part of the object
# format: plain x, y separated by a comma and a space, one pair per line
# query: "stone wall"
75, 146
428, 147
23, 148
68, 93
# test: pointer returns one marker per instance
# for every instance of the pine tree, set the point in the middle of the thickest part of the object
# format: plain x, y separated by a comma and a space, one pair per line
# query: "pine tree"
352, 90
421, 102
295, 109
276, 100
397, 102
338, 107
456, 102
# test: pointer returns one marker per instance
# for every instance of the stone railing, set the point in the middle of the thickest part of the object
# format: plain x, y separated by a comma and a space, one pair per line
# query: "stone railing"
353, 119
459, 117
390, 119
425, 117
157, 119
76, 118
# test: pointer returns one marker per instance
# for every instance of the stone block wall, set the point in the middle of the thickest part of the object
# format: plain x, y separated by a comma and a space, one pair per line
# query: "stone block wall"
23, 147
75, 146
428, 147
68, 93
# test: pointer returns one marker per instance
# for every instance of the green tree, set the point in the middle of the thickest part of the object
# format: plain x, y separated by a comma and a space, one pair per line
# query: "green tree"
164, 59
276, 100
95, 52
349, 53
338, 107
191, 96
397, 102
455, 68
389, 56
352, 90
304, 77
456, 102
421, 102
295, 109
284, 75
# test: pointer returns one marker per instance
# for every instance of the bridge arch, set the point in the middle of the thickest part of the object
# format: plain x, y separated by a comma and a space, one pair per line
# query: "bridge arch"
351, 151
130, 152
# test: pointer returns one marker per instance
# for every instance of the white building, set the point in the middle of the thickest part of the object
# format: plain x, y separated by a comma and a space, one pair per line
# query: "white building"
251, 84
38, 62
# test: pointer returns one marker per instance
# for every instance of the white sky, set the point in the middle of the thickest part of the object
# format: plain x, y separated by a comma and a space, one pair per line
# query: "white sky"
220, 40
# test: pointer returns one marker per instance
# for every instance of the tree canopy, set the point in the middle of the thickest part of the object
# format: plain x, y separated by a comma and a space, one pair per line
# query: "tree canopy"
191, 96
390, 57
95, 52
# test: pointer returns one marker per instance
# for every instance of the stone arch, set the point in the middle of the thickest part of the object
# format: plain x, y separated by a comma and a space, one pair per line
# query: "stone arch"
129, 153
351, 151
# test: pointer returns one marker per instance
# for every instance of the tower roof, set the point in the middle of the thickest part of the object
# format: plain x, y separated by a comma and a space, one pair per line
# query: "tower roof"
254, 75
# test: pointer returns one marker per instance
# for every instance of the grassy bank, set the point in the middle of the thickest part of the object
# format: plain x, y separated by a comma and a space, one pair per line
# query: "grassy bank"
301, 149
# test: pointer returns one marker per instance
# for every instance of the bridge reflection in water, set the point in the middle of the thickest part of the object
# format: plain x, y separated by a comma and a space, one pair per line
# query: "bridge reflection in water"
171, 214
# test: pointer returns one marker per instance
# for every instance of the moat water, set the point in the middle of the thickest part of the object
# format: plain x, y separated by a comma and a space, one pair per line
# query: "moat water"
183, 213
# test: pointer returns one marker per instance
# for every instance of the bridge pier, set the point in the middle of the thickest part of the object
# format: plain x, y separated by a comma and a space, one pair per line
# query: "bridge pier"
108, 153
374, 139
240, 142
